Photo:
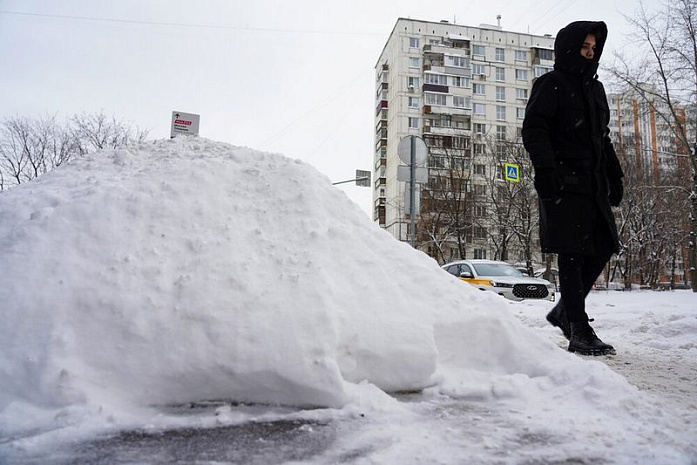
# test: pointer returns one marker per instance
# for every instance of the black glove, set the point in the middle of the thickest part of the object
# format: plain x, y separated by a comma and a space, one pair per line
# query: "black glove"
547, 183
616, 192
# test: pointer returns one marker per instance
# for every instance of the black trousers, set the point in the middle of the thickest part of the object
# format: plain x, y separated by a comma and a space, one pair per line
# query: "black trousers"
578, 272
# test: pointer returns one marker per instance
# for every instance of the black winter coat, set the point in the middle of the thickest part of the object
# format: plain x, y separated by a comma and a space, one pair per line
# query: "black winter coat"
565, 132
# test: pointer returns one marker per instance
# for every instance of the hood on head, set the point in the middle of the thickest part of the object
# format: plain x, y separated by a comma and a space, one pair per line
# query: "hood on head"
567, 46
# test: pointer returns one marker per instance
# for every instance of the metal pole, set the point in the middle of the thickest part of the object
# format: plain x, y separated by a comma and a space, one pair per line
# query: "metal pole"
412, 177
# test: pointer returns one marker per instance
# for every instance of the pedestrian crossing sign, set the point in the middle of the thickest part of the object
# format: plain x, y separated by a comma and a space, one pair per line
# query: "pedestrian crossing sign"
511, 172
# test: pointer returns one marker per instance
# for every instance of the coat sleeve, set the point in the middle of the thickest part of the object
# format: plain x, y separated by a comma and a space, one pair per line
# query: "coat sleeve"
540, 114
614, 169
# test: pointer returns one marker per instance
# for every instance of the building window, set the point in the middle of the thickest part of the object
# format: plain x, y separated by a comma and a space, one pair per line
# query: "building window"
479, 51
545, 54
480, 109
520, 113
500, 93
500, 132
500, 55
458, 102
438, 79
412, 82
500, 113
479, 189
456, 61
521, 55
479, 128
540, 70
460, 81
500, 74
521, 94
414, 102
414, 123
413, 42
478, 89
478, 69
521, 74
480, 232
480, 169
435, 99
479, 211
413, 62
480, 254
479, 149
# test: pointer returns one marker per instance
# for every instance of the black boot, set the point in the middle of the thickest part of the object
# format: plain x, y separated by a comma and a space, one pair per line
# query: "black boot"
557, 317
585, 342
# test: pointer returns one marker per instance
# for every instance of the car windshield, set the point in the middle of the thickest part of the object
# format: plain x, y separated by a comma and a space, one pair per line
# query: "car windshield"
496, 269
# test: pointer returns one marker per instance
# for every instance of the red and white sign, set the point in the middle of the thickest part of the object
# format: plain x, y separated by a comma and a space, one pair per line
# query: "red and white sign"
184, 124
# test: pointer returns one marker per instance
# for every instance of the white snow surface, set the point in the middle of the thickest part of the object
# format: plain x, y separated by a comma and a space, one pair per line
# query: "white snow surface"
188, 270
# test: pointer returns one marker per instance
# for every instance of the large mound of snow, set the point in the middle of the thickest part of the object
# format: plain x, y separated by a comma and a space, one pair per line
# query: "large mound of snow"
188, 270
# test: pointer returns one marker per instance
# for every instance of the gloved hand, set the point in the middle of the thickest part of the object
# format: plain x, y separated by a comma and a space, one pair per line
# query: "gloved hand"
547, 183
616, 192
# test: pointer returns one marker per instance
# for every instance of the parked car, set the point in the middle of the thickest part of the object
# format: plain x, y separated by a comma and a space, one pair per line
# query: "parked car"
501, 278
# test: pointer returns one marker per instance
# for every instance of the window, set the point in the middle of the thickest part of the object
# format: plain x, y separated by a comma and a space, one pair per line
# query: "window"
520, 113
500, 55
414, 123
413, 102
460, 81
477, 69
413, 82
479, 189
480, 169
435, 99
500, 113
521, 94
500, 93
478, 89
521, 74
439, 79
479, 128
413, 42
456, 61
500, 132
480, 232
480, 109
500, 74
479, 149
521, 55
480, 211
545, 54
480, 254
540, 70
478, 50
458, 102
413, 62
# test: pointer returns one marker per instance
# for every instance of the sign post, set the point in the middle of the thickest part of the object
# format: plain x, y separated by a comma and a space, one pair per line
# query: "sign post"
412, 150
185, 124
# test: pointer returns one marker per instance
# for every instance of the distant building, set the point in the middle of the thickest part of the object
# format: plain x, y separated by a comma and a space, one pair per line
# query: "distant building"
463, 90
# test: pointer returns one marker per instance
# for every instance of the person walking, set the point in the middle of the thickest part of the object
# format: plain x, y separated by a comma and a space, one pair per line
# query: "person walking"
578, 176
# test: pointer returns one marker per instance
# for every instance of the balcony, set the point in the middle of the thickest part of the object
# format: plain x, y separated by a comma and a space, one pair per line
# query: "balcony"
435, 88
381, 104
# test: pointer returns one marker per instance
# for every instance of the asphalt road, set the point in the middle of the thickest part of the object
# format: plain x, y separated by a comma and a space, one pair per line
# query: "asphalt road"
248, 443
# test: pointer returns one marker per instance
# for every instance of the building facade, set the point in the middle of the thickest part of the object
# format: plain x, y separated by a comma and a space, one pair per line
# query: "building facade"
463, 90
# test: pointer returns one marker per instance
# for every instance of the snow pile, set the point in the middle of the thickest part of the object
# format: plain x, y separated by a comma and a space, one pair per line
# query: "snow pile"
189, 270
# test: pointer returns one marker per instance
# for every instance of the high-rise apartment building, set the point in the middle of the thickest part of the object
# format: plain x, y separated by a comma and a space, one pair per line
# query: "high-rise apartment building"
459, 88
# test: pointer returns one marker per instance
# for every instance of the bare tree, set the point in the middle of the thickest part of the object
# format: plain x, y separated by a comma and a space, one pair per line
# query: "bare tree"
665, 76
29, 147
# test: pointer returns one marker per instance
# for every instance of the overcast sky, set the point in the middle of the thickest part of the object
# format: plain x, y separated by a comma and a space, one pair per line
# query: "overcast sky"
295, 77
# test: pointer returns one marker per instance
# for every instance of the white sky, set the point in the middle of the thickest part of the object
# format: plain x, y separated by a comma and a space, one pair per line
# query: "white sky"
294, 77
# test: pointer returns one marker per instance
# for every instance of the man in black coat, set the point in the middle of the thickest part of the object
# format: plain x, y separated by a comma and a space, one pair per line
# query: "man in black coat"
577, 175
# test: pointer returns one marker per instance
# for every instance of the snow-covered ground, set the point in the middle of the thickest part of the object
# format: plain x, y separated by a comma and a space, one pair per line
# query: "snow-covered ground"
188, 271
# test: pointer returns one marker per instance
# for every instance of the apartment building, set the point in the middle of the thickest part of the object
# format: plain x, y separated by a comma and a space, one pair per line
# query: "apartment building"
642, 129
459, 88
